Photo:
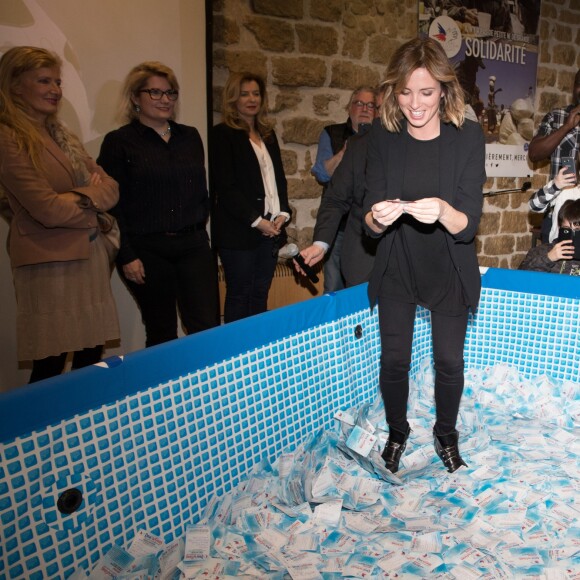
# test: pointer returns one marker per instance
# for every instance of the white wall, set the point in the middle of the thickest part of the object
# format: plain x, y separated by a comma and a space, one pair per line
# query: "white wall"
100, 40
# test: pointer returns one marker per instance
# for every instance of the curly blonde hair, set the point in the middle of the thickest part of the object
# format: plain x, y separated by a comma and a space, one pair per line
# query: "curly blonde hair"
421, 53
231, 94
136, 80
14, 112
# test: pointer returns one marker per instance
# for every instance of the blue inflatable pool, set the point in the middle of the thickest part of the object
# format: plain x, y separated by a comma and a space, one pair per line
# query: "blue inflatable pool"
146, 441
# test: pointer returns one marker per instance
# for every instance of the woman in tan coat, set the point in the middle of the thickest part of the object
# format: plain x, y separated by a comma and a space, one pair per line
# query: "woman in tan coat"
54, 194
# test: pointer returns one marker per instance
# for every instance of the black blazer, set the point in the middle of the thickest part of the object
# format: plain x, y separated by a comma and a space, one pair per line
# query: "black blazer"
344, 195
462, 180
237, 188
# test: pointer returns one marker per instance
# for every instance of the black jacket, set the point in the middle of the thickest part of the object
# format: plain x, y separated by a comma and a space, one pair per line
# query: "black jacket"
344, 196
237, 188
462, 179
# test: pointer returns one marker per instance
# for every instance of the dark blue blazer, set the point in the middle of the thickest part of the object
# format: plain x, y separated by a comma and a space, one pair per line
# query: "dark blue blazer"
462, 177
237, 188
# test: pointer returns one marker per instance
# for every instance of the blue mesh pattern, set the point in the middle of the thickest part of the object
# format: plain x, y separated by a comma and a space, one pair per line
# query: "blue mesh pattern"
535, 333
154, 459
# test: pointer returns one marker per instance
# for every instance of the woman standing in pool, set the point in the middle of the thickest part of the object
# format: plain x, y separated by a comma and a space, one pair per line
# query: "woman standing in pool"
425, 174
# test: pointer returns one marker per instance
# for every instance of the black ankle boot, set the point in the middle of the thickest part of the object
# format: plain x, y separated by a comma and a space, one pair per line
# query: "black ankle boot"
447, 448
394, 449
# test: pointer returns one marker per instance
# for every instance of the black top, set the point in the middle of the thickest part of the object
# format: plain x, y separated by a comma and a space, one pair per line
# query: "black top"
461, 179
162, 186
420, 269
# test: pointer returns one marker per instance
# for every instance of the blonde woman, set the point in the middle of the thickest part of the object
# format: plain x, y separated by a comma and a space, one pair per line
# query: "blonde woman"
425, 174
55, 192
250, 196
165, 257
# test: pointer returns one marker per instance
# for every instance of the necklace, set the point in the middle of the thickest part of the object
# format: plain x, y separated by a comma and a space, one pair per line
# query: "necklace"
166, 132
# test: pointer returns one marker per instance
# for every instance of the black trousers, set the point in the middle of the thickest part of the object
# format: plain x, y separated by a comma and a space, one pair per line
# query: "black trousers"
396, 321
180, 273
248, 276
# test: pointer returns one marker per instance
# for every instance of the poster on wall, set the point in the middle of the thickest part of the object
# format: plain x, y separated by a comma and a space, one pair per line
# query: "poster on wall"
493, 45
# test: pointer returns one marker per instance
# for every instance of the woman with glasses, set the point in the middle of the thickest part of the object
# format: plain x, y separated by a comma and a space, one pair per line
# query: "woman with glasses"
165, 257
249, 194
52, 194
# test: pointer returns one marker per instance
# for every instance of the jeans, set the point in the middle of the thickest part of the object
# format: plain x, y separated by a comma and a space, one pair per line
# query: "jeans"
248, 275
396, 321
180, 272
333, 279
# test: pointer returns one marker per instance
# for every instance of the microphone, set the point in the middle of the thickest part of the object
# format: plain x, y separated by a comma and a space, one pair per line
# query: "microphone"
291, 252
522, 189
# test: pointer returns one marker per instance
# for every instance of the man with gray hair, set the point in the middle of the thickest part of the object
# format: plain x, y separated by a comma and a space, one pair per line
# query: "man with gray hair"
331, 147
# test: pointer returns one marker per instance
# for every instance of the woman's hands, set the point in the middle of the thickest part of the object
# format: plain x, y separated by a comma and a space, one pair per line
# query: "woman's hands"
271, 229
563, 250
134, 272
427, 210
95, 179
83, 201
384, 214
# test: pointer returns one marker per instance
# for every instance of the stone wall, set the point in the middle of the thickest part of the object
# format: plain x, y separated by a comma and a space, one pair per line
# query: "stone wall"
314, 52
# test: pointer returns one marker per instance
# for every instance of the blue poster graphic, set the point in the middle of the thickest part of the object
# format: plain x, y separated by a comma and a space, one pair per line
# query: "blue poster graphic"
494, 47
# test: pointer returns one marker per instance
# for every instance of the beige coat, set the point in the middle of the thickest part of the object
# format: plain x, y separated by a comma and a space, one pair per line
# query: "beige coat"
47, 223
60, 265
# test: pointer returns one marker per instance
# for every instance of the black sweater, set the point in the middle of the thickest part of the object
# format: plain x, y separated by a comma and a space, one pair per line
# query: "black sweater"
162, 186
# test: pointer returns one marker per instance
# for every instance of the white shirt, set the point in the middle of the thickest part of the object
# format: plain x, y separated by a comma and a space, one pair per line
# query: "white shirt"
272, 201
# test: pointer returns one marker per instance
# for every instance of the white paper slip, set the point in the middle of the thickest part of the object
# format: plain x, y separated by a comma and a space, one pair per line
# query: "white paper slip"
359, 566
328, 514
393, 561
427, 562
197, 543
304, 572
145, 544
344, 417
361, 441
430, 542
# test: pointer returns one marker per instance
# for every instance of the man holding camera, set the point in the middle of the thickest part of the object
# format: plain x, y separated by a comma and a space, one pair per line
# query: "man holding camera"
558, 137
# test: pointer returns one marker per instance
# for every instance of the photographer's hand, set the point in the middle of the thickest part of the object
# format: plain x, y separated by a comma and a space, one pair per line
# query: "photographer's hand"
565, 179
563, 250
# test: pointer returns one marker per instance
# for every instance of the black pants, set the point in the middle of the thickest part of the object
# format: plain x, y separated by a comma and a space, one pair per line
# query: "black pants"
53, 366
396, 320
248, 276
180, 272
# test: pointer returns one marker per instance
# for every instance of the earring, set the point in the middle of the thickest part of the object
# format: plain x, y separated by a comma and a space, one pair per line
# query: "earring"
137, 109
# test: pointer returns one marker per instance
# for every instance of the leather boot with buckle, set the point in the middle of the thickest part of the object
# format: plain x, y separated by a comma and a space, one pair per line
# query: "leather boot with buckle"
447, 448
394, 448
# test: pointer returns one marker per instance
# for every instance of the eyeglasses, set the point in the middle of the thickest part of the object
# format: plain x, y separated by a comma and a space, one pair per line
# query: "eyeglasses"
157, 94
362, 104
